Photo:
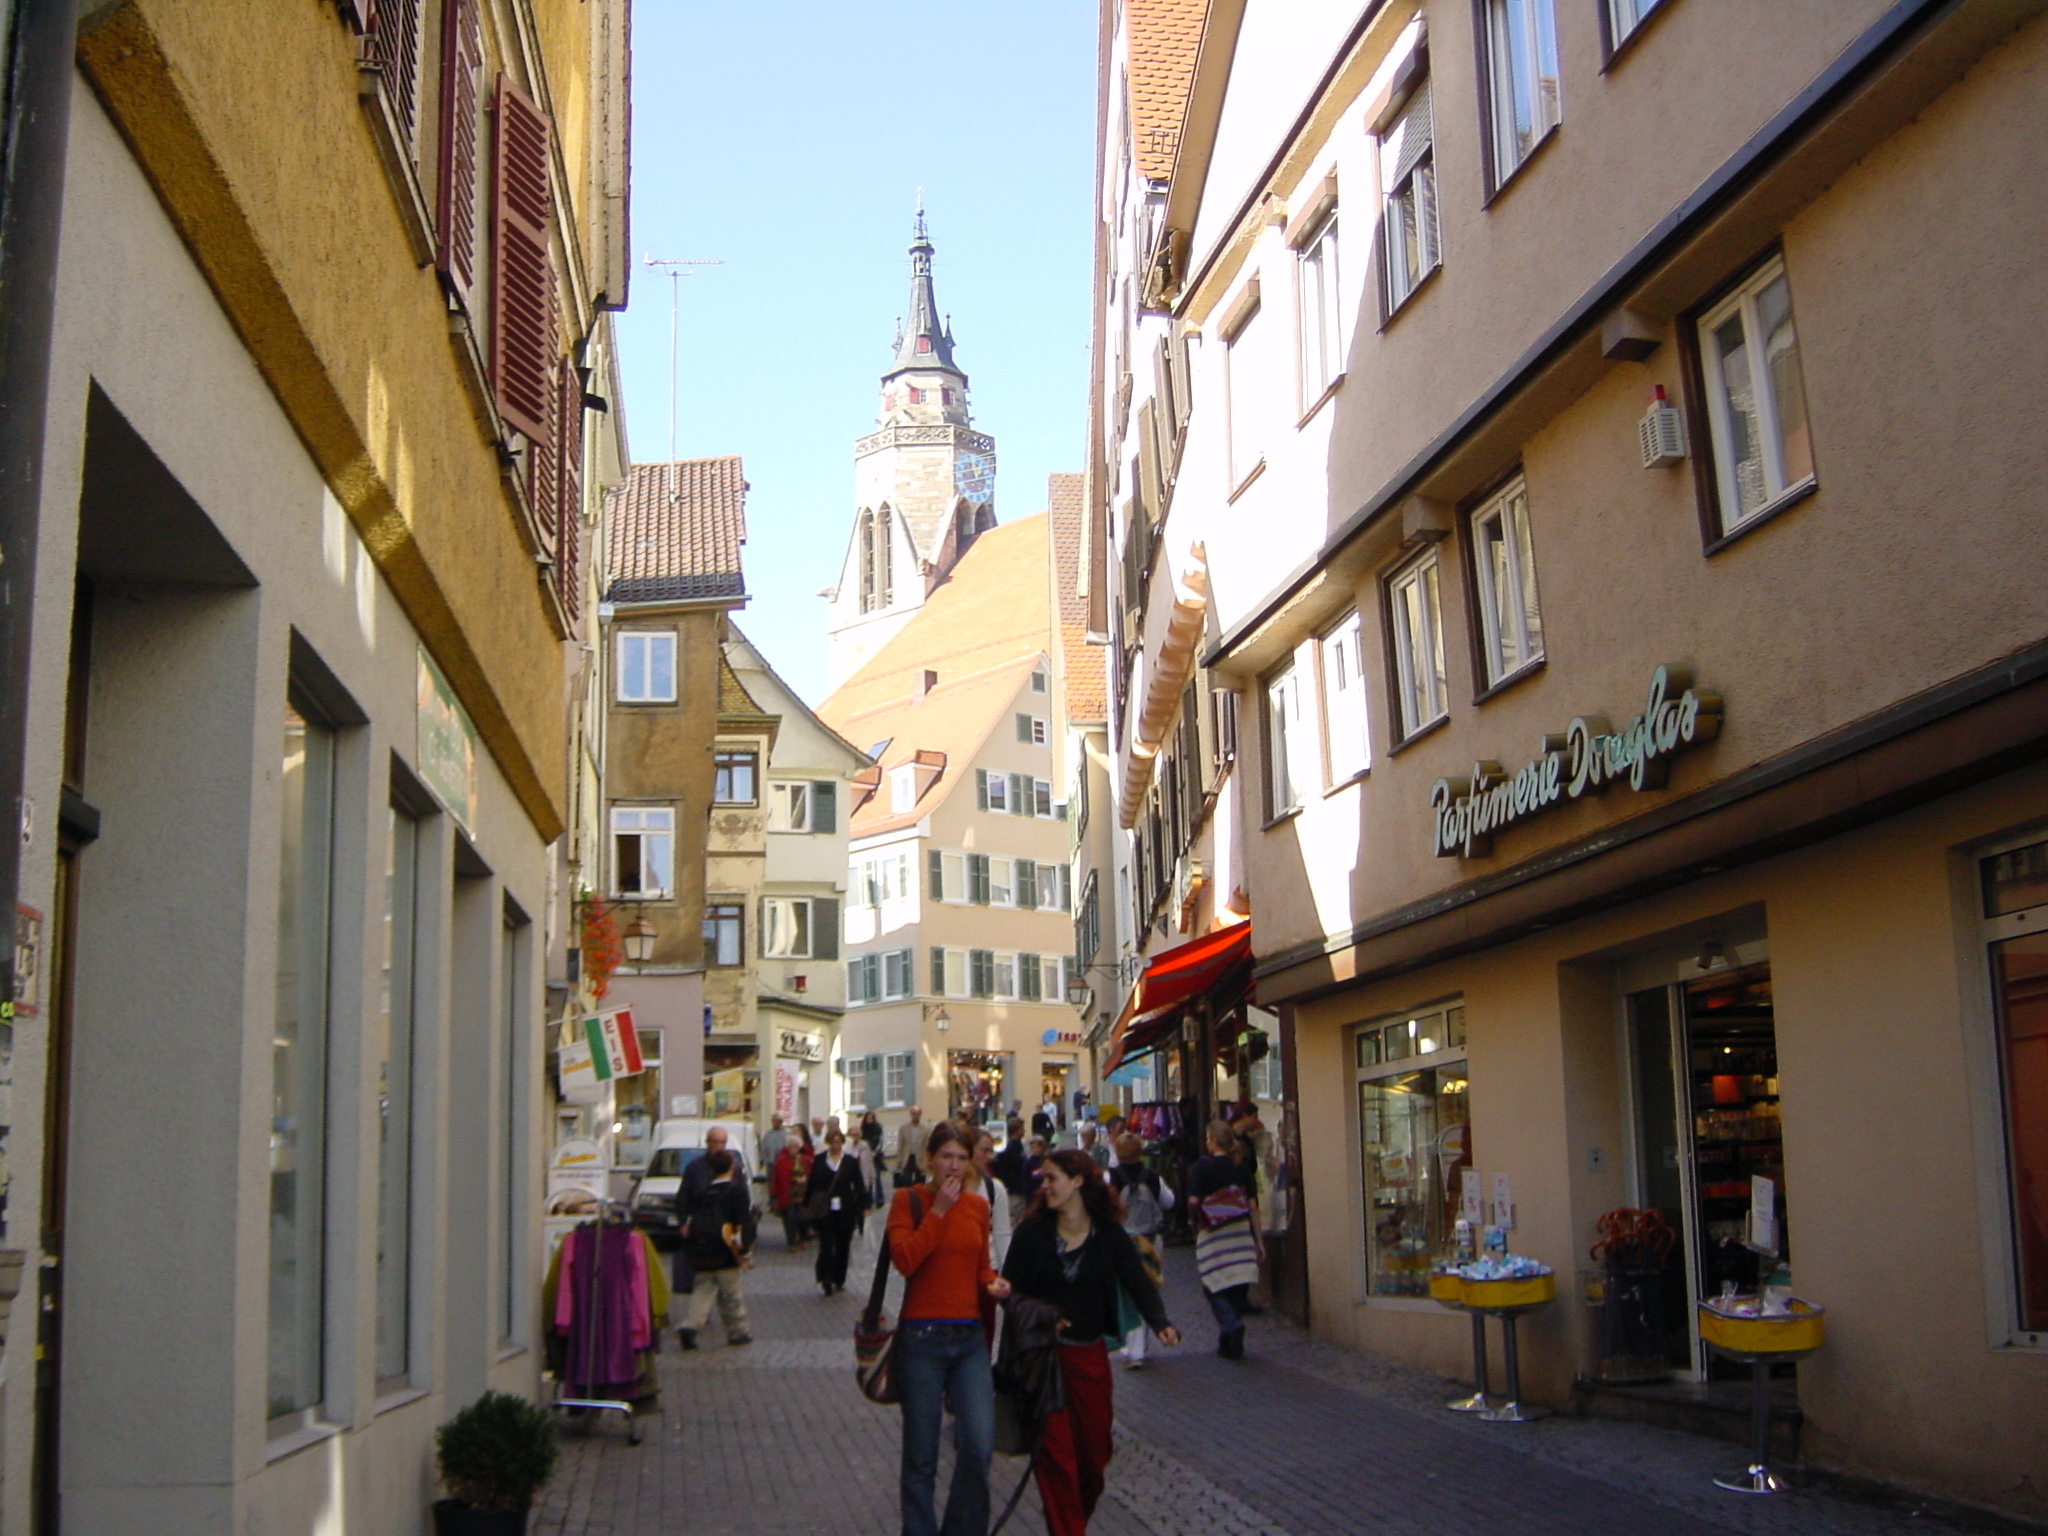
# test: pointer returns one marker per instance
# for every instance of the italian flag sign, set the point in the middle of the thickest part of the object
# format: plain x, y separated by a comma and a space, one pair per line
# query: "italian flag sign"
614, 1044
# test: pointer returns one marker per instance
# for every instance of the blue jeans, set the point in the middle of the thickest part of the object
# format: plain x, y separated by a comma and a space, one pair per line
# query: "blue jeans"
1224, 1304
937, 1363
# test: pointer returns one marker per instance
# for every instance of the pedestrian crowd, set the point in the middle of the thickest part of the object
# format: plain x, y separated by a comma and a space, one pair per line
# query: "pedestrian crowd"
1025, 1269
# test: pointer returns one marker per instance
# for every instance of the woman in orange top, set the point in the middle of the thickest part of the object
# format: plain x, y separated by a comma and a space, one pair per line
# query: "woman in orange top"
938, 1241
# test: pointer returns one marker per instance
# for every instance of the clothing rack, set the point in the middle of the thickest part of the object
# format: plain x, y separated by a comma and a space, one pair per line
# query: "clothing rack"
611, 1213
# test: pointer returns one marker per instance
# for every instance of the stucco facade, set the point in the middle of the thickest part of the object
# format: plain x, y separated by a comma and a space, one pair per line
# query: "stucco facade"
304, 613
1444, 553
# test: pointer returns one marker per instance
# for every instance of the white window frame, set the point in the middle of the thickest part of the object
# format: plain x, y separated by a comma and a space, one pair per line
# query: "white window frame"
781, 912
714, 947
1244, 419
1005, 976
896, 1079
903, 788
1041, 798
1002, 882
1778, 483
1421, 685
1284, 729
956, 972
1623, 17
953, 874
651, 645
897, 980
998, 792
1407, 156
1504, 575
1521, 60
1319, 308
789, 805
647, 822
1346, 716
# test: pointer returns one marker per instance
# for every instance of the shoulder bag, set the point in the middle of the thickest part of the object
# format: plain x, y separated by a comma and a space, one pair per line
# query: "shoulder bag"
874, 1338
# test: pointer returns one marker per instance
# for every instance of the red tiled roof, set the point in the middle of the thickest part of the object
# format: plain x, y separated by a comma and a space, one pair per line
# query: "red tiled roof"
1084, 666
674, 531
1162, 37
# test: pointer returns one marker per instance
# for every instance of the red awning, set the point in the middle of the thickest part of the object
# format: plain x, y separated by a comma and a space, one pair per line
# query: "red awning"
1175, 979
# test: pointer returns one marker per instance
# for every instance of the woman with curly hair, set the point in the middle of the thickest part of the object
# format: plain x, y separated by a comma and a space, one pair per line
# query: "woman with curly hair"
1072, 1252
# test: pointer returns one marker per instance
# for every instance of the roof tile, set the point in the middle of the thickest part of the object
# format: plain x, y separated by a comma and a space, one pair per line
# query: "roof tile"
674, 531
1162, 37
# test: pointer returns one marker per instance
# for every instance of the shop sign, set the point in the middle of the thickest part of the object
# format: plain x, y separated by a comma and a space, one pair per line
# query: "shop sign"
1589, 758
447, 746
601, 1047
802, 1046
1060, 1037
785, 1089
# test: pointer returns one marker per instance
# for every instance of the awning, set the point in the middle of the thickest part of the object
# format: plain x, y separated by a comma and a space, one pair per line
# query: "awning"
1171, 669
1174, 980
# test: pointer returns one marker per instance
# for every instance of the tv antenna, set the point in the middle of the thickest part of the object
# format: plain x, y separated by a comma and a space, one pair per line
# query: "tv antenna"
675, 275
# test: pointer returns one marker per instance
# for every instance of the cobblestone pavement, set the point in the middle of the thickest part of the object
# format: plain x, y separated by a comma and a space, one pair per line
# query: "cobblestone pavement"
1298, 1439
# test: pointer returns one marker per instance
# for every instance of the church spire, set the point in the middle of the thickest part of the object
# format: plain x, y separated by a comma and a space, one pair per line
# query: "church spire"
923, 342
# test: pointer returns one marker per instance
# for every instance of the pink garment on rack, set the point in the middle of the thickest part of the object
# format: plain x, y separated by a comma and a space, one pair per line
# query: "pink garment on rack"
565, 1290
643, 1302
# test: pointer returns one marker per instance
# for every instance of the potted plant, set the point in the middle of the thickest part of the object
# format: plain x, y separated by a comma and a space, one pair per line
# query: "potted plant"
494, 1457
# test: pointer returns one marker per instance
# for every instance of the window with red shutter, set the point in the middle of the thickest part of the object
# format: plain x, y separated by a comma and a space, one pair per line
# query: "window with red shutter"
523, 342
462, 53
569, 547
544, 485
394, 38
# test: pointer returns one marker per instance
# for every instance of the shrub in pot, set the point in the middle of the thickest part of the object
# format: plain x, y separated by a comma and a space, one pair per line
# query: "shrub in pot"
494, 1456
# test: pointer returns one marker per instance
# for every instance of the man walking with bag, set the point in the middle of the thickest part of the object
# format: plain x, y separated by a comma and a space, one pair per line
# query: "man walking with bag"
718, 1240
906, 1150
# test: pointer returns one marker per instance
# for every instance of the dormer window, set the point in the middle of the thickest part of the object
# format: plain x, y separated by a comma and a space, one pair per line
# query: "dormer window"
924, 343
902, 788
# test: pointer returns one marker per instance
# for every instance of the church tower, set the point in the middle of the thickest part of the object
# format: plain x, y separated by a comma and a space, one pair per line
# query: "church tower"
923, 483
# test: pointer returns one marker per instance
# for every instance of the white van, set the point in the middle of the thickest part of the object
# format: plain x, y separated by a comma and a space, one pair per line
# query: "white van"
677, 1144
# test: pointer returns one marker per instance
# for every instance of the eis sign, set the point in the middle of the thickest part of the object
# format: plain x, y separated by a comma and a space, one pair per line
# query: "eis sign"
1590, 757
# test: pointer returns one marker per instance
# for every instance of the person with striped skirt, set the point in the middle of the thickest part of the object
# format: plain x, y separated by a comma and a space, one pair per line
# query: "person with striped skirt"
1228, 1248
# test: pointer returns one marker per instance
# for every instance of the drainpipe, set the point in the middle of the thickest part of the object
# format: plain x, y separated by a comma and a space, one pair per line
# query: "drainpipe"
41, 41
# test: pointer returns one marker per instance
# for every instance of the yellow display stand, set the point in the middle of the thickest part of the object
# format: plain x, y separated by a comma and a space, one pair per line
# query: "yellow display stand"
1760, 1343
1506, 1300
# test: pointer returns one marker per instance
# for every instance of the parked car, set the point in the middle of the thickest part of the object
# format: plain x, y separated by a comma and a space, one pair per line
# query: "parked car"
677, 1144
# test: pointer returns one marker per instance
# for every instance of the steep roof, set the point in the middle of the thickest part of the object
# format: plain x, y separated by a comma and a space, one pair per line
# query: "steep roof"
924, 342
1084, 666
674, 532
1163, 37
982, 631
789, 704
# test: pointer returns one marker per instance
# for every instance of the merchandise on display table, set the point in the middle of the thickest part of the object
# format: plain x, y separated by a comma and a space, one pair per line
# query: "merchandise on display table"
1760, 1331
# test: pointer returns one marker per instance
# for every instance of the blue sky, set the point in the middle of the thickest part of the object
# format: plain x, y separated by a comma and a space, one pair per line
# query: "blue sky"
787, 139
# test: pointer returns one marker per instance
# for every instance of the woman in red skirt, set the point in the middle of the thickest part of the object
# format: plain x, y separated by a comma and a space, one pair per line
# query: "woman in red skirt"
1071, 1251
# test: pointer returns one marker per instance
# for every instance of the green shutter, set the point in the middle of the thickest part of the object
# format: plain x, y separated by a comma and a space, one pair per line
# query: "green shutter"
936, 865
1020, 794
977, 879
981, 788
871, 1085
1029, 978
981, 966
824, 927
1027, 884
1024, 728
938, 971
824, 806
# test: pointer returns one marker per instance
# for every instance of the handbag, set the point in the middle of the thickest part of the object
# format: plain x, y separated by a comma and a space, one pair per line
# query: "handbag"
1226, 1205
874, 1337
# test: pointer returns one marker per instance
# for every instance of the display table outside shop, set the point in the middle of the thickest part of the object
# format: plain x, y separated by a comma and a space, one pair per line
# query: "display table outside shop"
1760, 1343
1506, 1300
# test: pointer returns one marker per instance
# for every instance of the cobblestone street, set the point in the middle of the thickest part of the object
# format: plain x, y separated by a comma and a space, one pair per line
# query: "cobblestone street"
1298, 1439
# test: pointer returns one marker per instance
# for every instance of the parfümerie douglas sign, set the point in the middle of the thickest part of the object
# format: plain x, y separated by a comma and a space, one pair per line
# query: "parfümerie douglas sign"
1589, 758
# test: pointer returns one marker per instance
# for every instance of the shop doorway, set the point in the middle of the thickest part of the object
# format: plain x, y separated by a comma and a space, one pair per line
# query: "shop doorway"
976, 1086
1702, 1056
1054, 1080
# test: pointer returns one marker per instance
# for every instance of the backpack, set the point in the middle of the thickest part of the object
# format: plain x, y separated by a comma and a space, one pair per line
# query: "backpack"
1142, 1214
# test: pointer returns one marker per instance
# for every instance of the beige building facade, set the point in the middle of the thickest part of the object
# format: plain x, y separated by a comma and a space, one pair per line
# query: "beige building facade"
1639, 784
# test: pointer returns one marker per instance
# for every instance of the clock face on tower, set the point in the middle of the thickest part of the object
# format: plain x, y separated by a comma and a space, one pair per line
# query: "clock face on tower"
974, 475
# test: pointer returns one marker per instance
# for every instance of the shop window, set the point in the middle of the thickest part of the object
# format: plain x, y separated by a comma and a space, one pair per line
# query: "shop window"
2015, 894
298, 1135
734, 776
1504, 572
636, 1100
722, 935
647, 666
1415, 608
1521, 80
1414, 1135
1756, 399
394, 1056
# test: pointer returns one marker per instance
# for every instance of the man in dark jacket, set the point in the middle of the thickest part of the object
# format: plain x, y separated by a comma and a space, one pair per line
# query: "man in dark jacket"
1009, 1163
718, 1239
